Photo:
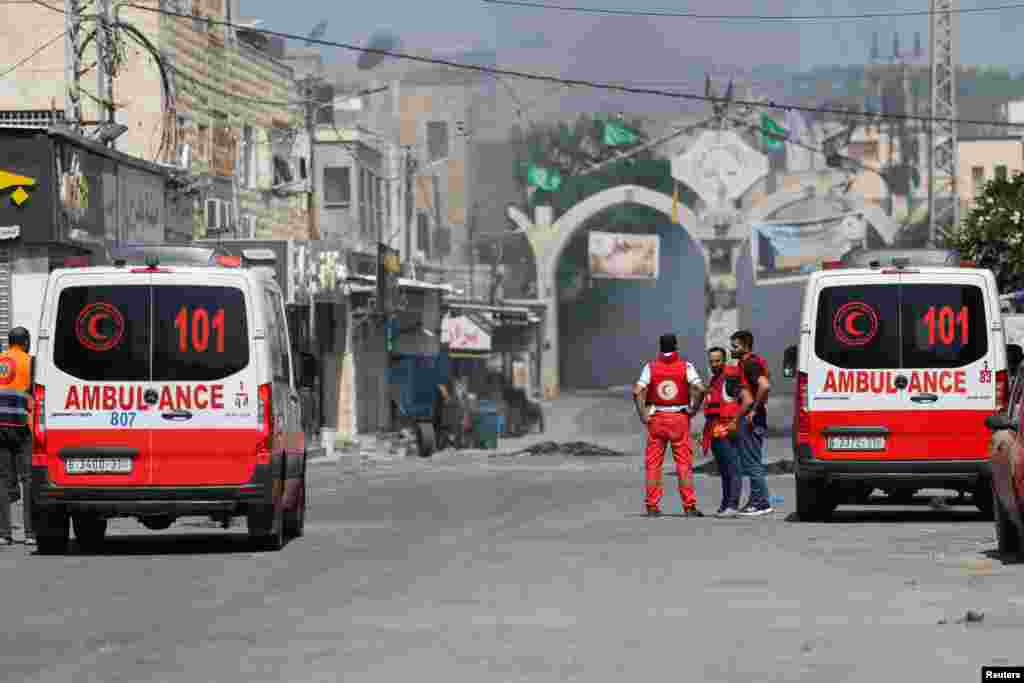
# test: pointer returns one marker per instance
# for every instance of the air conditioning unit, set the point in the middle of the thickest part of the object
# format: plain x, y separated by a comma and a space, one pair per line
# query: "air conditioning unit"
362, 263
218, 216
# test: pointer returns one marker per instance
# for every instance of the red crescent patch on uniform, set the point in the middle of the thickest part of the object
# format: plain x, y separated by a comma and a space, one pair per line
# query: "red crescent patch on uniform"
7, 370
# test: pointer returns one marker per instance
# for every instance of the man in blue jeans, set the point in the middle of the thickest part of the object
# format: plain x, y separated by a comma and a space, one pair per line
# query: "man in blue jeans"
753, 422
720, 437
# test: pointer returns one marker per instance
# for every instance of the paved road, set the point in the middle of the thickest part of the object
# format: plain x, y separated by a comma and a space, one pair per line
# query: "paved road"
476, 568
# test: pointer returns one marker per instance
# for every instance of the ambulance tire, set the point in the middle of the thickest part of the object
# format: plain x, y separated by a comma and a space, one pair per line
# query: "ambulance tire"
983, 498
90, 530
1008, 536
266, 525
53, 530
814, 501
295, 520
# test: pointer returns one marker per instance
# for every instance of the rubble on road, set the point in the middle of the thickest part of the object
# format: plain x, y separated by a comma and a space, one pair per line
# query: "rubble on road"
573, 448
777, 467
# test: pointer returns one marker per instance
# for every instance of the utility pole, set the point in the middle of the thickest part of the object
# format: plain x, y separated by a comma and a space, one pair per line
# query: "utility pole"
312, 109
72, 65
104, 64
943, 199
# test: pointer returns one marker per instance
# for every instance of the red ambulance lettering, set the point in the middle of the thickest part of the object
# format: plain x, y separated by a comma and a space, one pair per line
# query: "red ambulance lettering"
185, 398
200, 396
875, 382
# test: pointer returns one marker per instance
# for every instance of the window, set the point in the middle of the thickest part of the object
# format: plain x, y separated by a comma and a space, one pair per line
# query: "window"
364, 202
437, 140
202, 142
338, 185
832, 342
201, 334
103, 333
423, 232
978, 178
378, 192
276, 335
1000, 172
303, 171
944, 326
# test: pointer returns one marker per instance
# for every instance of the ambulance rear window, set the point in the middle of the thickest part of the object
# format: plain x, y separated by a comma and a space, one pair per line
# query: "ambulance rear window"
944, 325
858, 326
103, 333
200, 333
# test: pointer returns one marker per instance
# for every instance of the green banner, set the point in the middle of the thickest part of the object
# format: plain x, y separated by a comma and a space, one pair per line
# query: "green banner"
543, 178
773, 136
616, 133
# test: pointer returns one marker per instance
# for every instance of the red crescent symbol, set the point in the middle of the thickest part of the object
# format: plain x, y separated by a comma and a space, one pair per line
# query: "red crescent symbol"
850, 329
94, 333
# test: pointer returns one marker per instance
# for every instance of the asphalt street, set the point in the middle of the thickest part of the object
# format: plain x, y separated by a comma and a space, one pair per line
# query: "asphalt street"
484, 566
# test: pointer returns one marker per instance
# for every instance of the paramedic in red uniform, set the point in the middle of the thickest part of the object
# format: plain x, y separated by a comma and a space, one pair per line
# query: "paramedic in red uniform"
720, 427
15, 437
666, 385
753, 421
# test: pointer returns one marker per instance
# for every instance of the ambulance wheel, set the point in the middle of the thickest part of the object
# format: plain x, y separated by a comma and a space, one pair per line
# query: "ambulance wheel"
1008, 536
983, 498
53, 530
90, 530
266, 527
295, 520
814, 502
425, 440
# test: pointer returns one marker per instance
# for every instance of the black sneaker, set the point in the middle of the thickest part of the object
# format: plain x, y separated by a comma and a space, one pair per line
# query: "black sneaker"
757, 510
653, 511
692, 512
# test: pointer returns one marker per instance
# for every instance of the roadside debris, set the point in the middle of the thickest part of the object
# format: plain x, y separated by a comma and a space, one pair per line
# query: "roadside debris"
970, 617
573, 448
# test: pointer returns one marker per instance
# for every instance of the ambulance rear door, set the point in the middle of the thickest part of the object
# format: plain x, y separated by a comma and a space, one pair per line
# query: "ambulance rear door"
855, 406
951, 358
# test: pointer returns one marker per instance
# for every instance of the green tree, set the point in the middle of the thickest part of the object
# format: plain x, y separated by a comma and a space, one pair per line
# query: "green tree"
992, 233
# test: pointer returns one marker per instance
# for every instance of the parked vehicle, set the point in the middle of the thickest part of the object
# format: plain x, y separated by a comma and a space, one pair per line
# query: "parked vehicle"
163, 392
897, 368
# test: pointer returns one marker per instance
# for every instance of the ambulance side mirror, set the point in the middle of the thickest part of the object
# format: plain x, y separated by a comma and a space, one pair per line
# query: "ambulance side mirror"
1014, 356
789, 362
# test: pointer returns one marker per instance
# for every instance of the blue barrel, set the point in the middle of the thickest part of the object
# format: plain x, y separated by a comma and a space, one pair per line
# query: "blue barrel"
486, 425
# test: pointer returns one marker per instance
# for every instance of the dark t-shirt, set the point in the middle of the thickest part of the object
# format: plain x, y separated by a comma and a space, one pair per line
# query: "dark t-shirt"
752, 372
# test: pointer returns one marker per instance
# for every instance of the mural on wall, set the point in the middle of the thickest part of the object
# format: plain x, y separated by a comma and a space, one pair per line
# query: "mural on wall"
623, 257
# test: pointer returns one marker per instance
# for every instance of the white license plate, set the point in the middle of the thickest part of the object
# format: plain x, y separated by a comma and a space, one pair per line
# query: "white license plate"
98, 466
848, 442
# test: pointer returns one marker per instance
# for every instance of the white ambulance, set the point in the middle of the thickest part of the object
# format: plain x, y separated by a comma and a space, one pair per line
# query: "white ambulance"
897, 368
166, 391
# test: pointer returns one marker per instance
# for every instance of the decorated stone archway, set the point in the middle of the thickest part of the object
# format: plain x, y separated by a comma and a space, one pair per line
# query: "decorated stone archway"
548, 239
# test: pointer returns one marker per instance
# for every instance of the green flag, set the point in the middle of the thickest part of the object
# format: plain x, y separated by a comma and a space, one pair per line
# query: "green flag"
616, 133
773, 135
543, 178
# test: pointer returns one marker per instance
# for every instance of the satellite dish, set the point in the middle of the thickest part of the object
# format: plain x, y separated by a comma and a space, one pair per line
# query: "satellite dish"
318, 32
382, 40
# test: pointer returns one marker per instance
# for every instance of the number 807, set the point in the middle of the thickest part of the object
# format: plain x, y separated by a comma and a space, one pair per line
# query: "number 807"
122, 419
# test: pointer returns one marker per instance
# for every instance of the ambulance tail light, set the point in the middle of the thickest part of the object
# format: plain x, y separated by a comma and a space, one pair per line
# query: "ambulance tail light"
831, 265
266, 417
39, 419
228, 261
1002, 390
803, 416
968, 264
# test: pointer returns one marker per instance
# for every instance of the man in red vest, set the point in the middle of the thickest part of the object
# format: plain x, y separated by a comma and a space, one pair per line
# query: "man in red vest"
663, 396
753, 421
720, 427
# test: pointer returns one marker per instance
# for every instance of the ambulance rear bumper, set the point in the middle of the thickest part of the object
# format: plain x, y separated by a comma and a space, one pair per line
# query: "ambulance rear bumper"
935, 473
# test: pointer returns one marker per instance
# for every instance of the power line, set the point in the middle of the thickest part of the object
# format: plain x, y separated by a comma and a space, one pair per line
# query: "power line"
768, 104
747, 17
33, 2
8, 70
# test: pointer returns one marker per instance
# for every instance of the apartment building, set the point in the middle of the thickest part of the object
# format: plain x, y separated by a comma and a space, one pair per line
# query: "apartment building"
230, 115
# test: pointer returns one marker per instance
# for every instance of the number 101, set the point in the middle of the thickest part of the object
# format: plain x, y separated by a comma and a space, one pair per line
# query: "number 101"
944, 324
200, 329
